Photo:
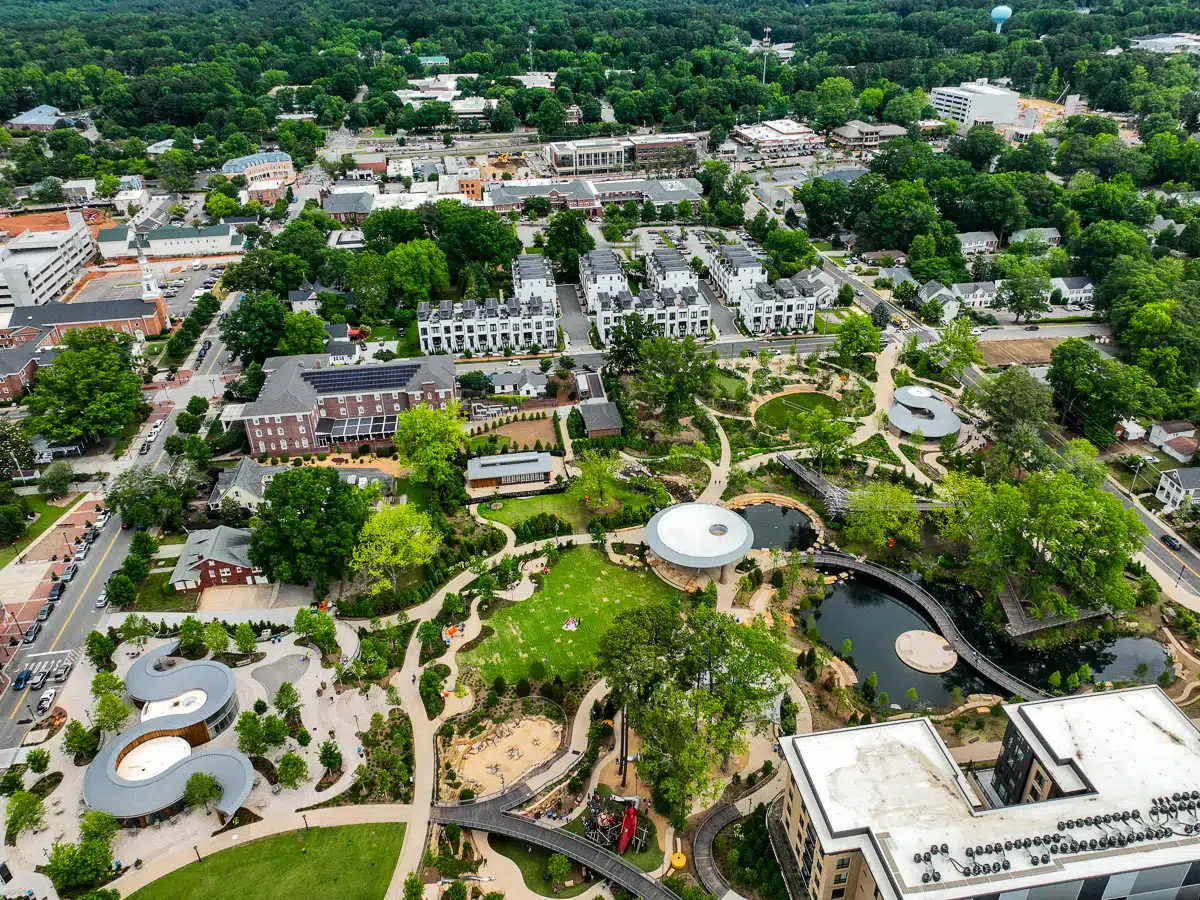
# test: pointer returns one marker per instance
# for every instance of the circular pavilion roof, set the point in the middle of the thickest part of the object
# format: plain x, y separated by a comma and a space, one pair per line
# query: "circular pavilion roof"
920, 408
699, 535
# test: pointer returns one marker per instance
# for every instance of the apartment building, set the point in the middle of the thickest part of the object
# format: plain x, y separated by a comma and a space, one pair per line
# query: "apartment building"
978, 241
975, 101
39, 266
533, 278
306, 403
669, 268
1075, 289
975, 294
269, 164
600, 274
789, 305
675, 313
487, 327
1051, 237
735, 271
597, 156
883, 812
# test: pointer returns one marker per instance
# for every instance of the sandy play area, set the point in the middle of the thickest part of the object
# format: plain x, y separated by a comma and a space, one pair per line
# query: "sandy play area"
501, 755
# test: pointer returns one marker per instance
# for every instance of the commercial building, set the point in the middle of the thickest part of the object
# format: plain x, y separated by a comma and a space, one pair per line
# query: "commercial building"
126, 200
779, 134
268, 164
39, 266
1177, 487
170, 241
509, 468
735, 272
596, 156
487, 327
306, 403
918, 409
40, 118
1100, 781
675, 313
1178, 42
976, 101
592, 196
41, 327
215, 556
601, 275
140, 777
859, 135
472, 108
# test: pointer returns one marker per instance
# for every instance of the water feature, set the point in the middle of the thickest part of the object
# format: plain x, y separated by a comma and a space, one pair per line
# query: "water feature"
778, 526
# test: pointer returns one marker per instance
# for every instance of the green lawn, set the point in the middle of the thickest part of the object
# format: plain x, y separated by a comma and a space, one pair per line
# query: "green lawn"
47, 516
575, 512
826, 323
731, 386
822, 245
648, 860
411, 345
350, 862
383, 333
532, 863
153, 596
480, 444
776, 413
878, 448
582, 584
418, 492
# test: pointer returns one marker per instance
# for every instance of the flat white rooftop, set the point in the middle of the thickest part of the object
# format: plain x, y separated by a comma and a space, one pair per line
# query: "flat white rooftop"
185, 702
699, 535
153, 757
893, 791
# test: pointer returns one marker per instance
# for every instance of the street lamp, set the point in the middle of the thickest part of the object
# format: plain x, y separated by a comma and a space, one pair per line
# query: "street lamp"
305, 818
356, 725
197, 849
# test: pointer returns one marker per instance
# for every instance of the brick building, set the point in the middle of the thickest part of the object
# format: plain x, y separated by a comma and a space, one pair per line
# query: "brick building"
306, 402
213, 557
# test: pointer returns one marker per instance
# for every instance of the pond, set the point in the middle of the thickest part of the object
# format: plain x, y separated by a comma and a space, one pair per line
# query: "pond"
778, 526
872, 619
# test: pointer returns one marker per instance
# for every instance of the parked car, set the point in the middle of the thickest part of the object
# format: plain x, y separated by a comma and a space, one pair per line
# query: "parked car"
32, 632
61, 671
144, 449
44, 612
102, 519
81, 553
1031, 328
56, 591
102, 600
38, 681
1171, 541
69, 572
22, 679
46, 700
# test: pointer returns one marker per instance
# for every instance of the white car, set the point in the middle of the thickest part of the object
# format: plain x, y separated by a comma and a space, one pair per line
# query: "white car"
976, 331
514, 362
46, 700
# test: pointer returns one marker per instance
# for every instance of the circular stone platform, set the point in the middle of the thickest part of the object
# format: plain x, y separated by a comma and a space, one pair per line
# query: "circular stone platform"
926, 652
699, 535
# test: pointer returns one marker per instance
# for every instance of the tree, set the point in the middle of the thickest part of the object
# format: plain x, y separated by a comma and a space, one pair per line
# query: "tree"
25, 812
254, 327
414, 888
395, 540
302, 333
628, 337
191, 636
881, 511
251, 739
1101, 244
15, 449
567, 239
551, 119
38, 760
274, 731
826, 434
291, 771
308, 525
597, 476
201, 789
418, 269
428, 439
78, 865
957, 349
98, 826
287, 700
99, 648
122, 591
881, 314
55, 480
857, 338
105, 682
674, 374
558, 867
790, 251
216, 638
1094, 392
90, 389
111, 713
244, 638
330, 756
1025, 291
79, 740
1014, 398
981, 145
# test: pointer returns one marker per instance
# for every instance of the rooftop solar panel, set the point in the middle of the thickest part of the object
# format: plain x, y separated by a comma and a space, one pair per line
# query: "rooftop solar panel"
364, 378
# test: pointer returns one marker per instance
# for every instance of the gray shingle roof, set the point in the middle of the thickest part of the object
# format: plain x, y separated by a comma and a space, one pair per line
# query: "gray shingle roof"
222, 544
343, 203
600, 416
1188, 479
78, 312
519, 379
248, 475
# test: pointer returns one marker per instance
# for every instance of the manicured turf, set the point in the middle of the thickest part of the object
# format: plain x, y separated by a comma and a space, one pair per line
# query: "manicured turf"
480, 443
47, 516
731, 386
351, 862
776, 413
418, 492
582, 584
576, 513
410, 345
532, 863
152, 596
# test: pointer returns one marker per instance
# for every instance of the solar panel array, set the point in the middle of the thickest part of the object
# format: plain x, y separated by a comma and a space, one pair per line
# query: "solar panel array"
343, 380
357, 429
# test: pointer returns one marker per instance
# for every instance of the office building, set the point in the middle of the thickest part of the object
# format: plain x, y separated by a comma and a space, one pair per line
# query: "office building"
266, 165
306, 403
1179, 42
600, 275
859, 135
39, 266
976, 101
596, 156
170, 241
778, 135
1092, 798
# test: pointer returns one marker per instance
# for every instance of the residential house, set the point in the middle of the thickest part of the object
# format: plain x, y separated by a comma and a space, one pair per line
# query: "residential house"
1178, 486
1076, 290
1052, 237
246, 483
215, 556
602, 419
735, 272
1163, 432
525, 383
975, 294
978, 241
1181, 449
79, 190
1130, 430
488, 326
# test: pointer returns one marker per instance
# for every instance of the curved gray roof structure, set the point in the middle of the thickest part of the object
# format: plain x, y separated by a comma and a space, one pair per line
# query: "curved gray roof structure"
699, 535
919, 408
105, 790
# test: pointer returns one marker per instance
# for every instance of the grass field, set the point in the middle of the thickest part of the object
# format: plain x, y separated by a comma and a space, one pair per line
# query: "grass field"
776, 413
575, 512
532, 863
731, 386
480, 443
411, 344
351, 862
418, 492
152, 596
583, 584
47, 516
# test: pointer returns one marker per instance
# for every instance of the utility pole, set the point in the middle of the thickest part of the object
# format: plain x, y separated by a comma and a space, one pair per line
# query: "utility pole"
766, 51
532, 29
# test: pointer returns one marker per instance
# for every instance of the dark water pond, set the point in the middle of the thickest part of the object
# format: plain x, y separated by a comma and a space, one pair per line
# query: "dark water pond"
872, 619
778, 526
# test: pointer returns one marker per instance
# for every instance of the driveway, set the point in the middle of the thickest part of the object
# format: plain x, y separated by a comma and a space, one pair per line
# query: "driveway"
574, 321
722, 315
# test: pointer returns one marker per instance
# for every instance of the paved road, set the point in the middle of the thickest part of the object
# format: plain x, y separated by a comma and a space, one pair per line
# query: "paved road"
575, 322
722, 315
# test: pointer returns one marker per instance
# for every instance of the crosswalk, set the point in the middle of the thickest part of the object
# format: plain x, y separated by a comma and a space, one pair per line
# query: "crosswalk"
47, 662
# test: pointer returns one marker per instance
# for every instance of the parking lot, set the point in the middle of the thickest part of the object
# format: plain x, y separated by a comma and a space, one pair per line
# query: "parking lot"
126, 284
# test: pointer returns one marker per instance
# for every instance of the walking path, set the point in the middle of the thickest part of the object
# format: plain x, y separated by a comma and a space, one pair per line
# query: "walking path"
720, 472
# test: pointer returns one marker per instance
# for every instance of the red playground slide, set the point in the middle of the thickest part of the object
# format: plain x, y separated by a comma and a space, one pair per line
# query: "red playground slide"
628, 828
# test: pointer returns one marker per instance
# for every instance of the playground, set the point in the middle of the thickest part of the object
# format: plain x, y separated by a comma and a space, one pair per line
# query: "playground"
582, 586
778, 412
495, 759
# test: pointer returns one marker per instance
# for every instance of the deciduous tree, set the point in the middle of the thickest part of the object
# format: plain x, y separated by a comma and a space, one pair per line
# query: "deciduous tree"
395, 540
